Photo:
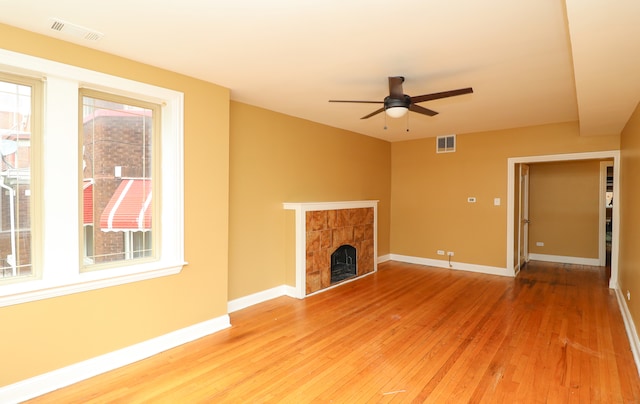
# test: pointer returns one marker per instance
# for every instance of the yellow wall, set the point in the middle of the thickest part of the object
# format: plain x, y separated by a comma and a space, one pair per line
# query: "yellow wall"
629, 259
429, 208
276, 158
564, 208
45, 335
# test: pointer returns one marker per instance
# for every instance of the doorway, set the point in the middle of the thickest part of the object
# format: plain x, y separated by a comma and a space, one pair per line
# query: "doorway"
513, 218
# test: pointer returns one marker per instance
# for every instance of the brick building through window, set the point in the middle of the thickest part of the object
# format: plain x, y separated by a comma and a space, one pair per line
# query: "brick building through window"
117, 160
15, 179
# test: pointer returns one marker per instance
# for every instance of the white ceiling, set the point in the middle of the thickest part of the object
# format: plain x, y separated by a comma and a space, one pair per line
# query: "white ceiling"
529, 62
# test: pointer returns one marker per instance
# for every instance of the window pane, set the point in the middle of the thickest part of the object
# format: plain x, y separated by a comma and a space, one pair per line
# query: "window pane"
117, 181
15, 179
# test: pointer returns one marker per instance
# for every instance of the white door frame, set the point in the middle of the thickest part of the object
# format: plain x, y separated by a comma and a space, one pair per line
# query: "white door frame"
512, 161
523, 216
602, 212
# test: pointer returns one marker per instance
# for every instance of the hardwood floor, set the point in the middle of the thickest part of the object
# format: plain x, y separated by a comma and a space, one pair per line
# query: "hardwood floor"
408, 333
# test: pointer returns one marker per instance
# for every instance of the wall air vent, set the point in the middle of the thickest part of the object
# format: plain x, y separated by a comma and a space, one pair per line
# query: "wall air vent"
446, 144
74, 30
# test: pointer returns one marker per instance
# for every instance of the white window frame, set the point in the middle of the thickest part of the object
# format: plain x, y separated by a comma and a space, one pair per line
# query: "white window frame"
130, 241
58, 270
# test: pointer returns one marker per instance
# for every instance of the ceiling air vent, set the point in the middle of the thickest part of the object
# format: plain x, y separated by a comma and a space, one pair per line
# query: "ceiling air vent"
446, 144
74, 30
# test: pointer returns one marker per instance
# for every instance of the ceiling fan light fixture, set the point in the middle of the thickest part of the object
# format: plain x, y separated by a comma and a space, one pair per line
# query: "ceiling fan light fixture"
396, 112
397, 104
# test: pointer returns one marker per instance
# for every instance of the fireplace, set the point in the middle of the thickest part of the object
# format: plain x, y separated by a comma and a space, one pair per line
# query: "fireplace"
343, 263
329, 237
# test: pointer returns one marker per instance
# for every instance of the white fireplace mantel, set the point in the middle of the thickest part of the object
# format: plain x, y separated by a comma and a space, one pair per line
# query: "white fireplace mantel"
301, 208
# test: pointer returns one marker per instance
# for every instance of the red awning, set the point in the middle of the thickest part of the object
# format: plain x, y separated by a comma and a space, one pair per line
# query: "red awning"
129, 209
87, 211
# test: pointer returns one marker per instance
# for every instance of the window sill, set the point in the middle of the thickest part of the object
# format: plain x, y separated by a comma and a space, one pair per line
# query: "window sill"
34, 290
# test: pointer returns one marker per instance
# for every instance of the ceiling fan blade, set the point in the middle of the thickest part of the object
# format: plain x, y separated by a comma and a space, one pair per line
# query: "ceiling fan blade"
422, 110
376, 112
444, 94
395, 87
359, 102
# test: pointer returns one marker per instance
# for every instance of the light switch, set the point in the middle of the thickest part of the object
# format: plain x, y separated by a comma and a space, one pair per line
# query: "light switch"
496, 201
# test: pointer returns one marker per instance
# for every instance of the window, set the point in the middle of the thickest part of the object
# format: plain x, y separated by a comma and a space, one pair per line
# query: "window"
117, 136
71, 198
18, 100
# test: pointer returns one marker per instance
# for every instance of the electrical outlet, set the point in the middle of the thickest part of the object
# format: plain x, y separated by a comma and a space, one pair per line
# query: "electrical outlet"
440, 252
628, 295
540, 243
471, 199
450, 254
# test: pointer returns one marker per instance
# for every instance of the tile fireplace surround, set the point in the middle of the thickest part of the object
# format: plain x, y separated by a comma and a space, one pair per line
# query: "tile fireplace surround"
322, 227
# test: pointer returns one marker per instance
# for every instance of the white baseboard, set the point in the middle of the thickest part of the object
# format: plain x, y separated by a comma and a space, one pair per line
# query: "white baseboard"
285, 290
290, 291
50, 381
384, 258
282, 290
629, 327
259, 297
564, 259
485, 269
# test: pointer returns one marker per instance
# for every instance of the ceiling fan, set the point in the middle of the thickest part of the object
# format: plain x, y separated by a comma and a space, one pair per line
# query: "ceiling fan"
396, 104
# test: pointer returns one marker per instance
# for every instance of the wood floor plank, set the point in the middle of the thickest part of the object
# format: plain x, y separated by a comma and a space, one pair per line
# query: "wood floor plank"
408, 333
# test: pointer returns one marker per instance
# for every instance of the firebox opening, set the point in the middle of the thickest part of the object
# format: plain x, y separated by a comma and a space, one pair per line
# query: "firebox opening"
343, 263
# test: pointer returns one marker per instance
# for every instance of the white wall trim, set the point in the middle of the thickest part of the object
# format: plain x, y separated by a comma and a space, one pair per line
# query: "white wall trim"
47, 382
260, 297
384, 258
39, 290
564, 259
629, 326
484, 269
282, 290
